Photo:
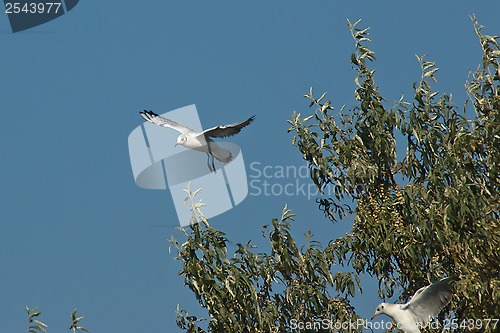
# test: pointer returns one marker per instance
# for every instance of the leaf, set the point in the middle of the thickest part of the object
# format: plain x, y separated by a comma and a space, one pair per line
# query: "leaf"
430, 72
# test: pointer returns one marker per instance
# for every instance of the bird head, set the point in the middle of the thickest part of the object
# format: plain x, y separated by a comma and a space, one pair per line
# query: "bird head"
380, 309
181, 140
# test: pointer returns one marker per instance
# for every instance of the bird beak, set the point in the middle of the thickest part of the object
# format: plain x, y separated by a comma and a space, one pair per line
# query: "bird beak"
176, 145
374, 315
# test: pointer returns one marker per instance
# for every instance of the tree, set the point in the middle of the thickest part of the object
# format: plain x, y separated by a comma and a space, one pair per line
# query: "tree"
37, 326
260, 292
433, 212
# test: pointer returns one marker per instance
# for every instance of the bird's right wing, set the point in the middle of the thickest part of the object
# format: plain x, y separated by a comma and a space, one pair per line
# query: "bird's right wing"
164, 122
223, 131
428, 301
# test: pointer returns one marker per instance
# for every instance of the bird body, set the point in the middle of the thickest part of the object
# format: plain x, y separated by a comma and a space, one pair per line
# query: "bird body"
426, 303
201, 141
405, 320
208, 146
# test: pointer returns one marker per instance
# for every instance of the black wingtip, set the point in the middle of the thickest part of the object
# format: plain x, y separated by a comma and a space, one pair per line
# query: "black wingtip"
148, 113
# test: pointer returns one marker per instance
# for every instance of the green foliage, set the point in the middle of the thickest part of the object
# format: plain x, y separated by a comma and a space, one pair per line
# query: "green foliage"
259, 292
35, 326
442, 218
431, 213
74, 323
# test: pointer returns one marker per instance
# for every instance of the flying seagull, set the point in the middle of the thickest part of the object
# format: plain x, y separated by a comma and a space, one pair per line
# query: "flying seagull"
423, 306
201, 141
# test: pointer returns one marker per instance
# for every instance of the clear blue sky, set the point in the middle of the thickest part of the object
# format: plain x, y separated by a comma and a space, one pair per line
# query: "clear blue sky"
75, 230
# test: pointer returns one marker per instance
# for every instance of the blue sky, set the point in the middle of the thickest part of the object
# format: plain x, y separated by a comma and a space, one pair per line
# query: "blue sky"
75, 230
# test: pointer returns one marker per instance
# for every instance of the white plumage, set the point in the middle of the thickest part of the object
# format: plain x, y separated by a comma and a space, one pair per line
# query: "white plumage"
423, 306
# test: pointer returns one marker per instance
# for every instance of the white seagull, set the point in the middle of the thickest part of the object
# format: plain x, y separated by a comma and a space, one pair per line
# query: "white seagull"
423, 306
201, 141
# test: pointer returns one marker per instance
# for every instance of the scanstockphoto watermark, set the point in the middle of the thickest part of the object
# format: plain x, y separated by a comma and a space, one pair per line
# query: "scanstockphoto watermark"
338, 326
282, 180
341, 326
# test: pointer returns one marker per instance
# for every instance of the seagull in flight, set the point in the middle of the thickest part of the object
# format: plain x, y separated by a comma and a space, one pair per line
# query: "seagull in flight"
201, 141
423, 306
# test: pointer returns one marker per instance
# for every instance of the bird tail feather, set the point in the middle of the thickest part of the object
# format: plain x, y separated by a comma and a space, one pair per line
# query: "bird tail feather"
222, 155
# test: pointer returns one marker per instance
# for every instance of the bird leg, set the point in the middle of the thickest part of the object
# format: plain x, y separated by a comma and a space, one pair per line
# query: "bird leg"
208, 163
212, 169
213, 163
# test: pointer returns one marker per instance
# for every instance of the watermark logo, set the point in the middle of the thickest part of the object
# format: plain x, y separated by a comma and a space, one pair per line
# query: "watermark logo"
158, 164
351, 325
328, 324
283, 180
26, 14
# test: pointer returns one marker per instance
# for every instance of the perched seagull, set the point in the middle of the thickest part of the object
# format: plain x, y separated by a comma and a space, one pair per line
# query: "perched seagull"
423, 306
201, 141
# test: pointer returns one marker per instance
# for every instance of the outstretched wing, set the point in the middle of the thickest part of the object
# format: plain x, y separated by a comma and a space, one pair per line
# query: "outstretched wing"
164, 122
223, 131
428, 301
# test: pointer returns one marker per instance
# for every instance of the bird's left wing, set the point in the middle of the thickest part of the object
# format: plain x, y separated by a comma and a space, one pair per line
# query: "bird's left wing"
164, 122
428, 301
223, 131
